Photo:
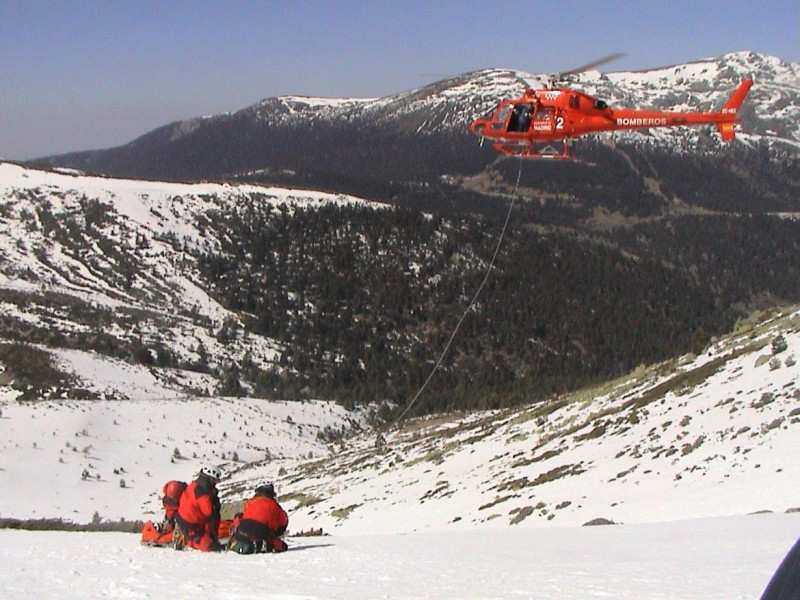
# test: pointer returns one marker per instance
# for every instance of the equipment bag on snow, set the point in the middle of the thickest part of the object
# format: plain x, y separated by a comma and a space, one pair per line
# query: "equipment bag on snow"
241, 545
244, 545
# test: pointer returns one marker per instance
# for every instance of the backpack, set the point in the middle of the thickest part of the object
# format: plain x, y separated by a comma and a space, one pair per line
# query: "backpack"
241, 545
172, 492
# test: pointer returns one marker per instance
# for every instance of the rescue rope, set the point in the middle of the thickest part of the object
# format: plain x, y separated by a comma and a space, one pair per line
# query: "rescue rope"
380, 442
469, 306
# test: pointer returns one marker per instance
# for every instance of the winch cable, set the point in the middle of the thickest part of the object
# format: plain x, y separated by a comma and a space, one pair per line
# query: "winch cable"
326, 483
469, 306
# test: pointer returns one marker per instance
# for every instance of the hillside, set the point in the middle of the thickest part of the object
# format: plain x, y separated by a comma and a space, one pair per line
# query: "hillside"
467, 375
243, 290
263, 320
695, 437
109, 459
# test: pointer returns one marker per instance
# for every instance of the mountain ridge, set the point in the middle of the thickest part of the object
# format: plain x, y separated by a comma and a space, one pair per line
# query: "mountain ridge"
433, 120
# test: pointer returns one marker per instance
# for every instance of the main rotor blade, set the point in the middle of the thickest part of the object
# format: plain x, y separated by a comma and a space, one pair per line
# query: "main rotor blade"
593, 64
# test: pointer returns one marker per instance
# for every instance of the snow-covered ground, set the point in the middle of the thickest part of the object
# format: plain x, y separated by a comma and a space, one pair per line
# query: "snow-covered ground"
78, 460
707, 436
391, 511
709, 559
699, 437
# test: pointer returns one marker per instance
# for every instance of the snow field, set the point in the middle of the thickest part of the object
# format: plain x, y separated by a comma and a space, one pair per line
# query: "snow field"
712, 559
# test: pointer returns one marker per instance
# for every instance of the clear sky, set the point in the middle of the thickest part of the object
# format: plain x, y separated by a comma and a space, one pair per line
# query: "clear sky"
80, 74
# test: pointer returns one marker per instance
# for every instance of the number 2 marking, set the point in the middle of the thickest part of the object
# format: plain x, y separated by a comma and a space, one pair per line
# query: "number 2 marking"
559, 122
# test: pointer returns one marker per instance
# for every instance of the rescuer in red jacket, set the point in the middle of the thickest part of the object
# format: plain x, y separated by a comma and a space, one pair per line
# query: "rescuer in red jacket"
263, 522
197, 519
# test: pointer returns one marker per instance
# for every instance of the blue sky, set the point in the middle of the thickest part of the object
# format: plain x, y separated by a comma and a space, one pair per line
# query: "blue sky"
79, 75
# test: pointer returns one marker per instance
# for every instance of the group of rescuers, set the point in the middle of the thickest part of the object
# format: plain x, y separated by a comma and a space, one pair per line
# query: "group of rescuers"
193, 511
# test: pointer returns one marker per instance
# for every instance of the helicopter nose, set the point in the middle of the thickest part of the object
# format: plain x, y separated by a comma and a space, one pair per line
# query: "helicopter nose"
478, 126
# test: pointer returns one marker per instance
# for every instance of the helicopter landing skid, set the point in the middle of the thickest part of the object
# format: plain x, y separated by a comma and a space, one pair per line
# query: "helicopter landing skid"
537, 150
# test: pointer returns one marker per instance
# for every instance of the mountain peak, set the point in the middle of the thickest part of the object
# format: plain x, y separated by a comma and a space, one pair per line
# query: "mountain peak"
268, 135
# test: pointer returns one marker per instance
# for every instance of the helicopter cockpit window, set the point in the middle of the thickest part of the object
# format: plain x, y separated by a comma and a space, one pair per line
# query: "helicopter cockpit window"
499, 120
520, 117
600, 104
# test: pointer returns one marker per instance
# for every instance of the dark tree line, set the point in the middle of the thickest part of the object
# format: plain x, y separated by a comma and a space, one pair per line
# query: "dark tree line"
365, 300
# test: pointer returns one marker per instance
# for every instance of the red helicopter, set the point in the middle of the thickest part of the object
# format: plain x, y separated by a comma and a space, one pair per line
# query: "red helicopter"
528, 126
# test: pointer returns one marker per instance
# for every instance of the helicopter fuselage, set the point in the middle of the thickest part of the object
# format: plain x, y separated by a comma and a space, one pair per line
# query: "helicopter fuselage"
549, 115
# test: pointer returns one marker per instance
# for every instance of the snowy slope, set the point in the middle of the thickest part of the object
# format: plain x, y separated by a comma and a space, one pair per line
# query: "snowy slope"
90, 253
708, 436
479, 505
133, 260
668, 558
79, 460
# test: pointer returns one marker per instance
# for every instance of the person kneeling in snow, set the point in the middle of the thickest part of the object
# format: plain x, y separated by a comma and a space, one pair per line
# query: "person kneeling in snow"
197, 519
262, 524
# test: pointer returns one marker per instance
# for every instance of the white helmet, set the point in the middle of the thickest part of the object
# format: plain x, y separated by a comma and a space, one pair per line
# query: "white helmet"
212, 472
